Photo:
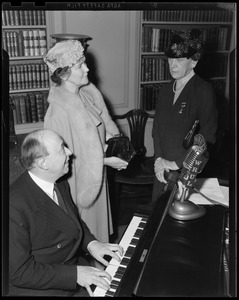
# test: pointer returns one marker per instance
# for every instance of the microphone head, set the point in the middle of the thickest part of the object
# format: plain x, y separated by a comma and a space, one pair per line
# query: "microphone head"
198, 148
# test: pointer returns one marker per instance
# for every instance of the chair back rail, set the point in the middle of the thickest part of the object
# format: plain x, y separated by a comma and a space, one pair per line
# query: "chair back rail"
137, 119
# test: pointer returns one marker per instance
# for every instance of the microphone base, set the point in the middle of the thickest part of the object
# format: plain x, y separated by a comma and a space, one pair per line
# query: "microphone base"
186, 210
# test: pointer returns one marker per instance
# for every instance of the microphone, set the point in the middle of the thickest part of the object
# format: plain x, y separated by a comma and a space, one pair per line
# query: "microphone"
194, 162
196, 159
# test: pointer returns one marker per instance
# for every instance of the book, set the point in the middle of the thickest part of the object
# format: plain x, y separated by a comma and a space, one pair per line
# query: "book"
42, 41
7, 21
28, 109
26, 45
45, 101
38, 76
21, 17
11, 17
36, 43
26, 77
4, 41
16, 102
23, 109
18, 77
15, 44
14, 77
11, 52
34, 77
33, 107
43, 17
30, 17
34, 18
39, 21
46, 75
39, 106
4, 23
29, 69
42, 76
23, 86
31, 43
20, 43
16, 17
26, 17
10, 78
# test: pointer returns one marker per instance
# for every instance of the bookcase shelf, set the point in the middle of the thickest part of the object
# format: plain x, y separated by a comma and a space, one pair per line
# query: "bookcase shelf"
28, 90
156, 29
25, 58
24, 37
28, 127
10, 27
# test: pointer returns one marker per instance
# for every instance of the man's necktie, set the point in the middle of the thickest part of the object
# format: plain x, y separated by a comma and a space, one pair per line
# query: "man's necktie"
60, 199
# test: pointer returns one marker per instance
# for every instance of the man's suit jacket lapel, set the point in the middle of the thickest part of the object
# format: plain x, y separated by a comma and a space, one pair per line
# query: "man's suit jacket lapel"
48, 210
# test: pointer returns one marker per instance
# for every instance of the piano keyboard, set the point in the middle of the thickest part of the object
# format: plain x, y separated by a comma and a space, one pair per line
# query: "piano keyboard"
117, 269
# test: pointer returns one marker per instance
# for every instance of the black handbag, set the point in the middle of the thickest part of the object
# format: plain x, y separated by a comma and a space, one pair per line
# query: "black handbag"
120, 146
188, 140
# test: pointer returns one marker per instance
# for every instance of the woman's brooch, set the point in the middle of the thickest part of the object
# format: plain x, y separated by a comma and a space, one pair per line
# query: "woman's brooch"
183, 104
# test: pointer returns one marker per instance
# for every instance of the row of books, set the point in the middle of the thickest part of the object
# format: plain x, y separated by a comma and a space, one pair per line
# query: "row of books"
195, 15
157, 39
28, 108
148, 96
28, 76
23, 17
154, 69
24, 42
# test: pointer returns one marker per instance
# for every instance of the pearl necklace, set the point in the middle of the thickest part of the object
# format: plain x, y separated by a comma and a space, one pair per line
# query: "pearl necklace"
174, 87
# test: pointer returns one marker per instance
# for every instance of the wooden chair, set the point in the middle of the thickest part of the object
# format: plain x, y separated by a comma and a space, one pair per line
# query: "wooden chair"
140, 171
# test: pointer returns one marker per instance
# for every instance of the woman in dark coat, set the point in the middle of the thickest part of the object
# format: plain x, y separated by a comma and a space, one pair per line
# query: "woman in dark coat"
184, 100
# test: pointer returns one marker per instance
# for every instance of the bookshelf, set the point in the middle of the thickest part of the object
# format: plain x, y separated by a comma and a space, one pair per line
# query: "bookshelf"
156, 29
24, 37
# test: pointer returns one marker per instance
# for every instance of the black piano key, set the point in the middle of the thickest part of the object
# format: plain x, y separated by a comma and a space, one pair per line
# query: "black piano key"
134, 242
109, 294
125, 261
113, 286
120, 270
129, 251
115, 282
119, 276
138, 232
142, 225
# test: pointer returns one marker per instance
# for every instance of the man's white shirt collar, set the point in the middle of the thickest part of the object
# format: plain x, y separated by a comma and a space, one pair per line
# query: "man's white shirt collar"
46, 186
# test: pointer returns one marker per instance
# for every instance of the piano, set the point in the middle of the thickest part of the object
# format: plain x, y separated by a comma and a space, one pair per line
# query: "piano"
168, 257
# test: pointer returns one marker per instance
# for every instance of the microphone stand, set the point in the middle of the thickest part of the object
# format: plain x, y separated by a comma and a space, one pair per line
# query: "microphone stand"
183, 209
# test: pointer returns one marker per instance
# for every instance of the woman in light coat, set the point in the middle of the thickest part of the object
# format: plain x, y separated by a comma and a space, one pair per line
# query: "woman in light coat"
78, 113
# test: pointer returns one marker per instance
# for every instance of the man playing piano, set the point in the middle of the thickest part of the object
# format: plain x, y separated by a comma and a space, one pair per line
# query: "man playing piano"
49, 244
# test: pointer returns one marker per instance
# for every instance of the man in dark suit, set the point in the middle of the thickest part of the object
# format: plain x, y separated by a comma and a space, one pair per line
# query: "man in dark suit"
46, 243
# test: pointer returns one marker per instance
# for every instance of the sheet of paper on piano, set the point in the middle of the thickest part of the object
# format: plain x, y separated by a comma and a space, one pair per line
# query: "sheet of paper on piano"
211, 188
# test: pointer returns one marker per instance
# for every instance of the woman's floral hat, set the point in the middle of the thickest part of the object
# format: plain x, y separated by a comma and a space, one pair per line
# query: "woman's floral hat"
64, 54
185, 44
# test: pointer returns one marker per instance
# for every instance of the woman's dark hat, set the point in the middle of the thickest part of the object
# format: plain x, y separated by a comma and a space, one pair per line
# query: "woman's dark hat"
185, 44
